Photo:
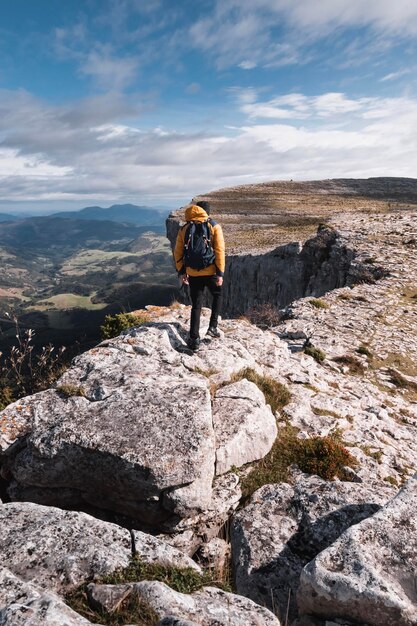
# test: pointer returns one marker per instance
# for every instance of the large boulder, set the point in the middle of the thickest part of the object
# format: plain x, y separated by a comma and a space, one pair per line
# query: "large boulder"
284, 526
369, 573
138, 441
62, 549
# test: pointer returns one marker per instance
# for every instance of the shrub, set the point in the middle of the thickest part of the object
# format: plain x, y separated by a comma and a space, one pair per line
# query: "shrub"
355, 366
25, 370
264, 315
325, 456
113, 325
317, 354
276, 394
363, 349
318, 303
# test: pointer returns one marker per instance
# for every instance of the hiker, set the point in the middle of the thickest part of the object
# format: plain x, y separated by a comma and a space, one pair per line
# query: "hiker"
200, 262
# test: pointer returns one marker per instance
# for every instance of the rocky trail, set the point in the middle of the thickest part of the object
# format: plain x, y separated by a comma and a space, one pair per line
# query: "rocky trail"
144, 451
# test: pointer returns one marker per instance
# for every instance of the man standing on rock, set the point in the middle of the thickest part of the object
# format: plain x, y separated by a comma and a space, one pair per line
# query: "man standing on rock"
200, 261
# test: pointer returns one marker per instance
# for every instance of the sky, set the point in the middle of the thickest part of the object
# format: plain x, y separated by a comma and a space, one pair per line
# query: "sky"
156, 101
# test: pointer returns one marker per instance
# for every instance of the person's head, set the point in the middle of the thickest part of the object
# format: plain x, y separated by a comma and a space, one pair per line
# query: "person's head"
204, 204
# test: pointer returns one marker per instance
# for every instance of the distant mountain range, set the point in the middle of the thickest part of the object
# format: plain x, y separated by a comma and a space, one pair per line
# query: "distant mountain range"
56, 236
7, 217
122, 213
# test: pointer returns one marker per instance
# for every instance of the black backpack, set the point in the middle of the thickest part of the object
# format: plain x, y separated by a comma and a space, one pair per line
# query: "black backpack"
198, 251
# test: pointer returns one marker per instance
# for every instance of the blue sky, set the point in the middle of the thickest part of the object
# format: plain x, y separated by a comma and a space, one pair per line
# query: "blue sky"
155, 101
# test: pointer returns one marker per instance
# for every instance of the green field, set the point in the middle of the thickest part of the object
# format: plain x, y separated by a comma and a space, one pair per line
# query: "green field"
67, 301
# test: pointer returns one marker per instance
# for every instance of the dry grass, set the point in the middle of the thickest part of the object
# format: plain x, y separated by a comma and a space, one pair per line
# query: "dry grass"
71, 390
276, 394
355, 366
132, 611
317, 303
323, 456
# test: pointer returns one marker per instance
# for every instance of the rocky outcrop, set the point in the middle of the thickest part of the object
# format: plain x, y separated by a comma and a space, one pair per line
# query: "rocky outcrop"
284, 527
284, 274
368, 574
141, 440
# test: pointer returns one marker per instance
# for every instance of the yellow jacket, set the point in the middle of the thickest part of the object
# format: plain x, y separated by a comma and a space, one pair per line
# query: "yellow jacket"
195, 213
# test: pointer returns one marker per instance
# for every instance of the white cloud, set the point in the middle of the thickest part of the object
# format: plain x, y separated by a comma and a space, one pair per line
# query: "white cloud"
247, 65
90, 149
395, 75
108, 70
279, 32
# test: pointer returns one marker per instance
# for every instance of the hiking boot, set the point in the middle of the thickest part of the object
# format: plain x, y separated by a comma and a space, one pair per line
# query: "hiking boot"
194, 344
213, 331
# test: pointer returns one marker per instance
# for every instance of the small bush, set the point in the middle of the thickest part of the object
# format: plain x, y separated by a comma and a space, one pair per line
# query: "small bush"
276, 394
355, 366
363, 349
113, 325
391, 480
71, 390
317, 354
325, 456
264, 315
25, 370
318, 303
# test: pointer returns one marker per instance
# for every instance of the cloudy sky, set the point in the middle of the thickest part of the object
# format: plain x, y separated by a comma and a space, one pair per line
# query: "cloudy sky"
154, 101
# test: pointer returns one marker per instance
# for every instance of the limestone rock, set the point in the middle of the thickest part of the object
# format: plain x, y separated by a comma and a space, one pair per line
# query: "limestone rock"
62, 549
140, 442
23, 604
368, 574
59, 549
244, 425
154, 550
206, 607
107, 597
283, 527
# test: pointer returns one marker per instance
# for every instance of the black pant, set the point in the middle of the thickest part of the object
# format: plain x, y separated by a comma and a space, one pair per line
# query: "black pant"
197, 286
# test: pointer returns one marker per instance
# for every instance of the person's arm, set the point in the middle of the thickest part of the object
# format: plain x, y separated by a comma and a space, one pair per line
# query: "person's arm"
219, 252
179, 254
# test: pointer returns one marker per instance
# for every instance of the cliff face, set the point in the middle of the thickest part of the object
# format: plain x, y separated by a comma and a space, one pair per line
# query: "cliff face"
289, 240
285, 274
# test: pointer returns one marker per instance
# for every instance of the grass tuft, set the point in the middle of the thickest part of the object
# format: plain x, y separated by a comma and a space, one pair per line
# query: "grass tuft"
276, 394
71, 390
318, 303
130, 611
317, 354
184, 580
354, 365
363, 349
324, 456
